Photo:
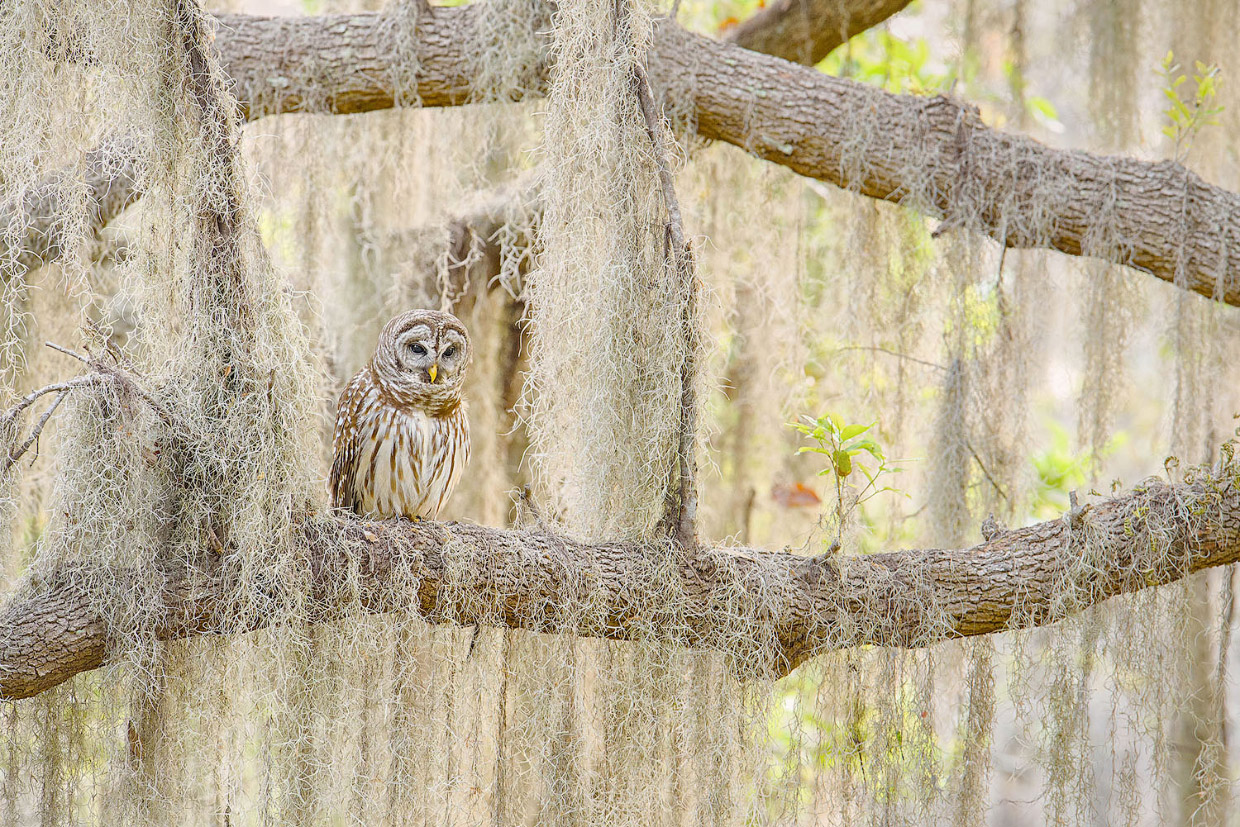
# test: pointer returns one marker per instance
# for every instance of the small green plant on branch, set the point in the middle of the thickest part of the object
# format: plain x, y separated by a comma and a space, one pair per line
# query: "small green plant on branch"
849, 448
1187, 113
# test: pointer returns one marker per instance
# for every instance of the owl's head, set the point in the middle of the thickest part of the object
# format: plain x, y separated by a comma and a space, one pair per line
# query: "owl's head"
421, 358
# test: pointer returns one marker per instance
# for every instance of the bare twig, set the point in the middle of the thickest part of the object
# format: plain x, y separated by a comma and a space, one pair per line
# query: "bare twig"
14, 456
122, 378
10, 419
67, 352
895, 353
986, 472
30, 398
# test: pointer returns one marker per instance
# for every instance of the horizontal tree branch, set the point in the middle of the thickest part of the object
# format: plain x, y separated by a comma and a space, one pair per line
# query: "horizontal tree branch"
772, 610
933, 153
936, 154
806, 31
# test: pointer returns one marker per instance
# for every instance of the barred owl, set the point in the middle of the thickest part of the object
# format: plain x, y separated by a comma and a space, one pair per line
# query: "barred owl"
401, 437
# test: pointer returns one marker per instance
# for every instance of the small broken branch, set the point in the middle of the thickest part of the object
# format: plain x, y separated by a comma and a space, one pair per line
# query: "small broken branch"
101, 372
122, 378
9, 422
14, 456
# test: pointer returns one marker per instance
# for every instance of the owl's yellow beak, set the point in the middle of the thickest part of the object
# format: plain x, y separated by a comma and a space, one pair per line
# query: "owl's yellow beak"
433, 370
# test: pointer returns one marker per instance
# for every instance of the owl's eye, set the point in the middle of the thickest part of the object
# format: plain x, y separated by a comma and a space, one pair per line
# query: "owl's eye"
450, 352
418, 350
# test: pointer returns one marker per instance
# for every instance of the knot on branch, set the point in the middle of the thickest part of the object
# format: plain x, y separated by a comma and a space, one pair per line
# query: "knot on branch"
992, 529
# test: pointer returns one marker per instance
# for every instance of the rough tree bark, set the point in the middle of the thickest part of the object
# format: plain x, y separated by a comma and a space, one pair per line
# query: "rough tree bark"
938, 155
772, 609
932, 152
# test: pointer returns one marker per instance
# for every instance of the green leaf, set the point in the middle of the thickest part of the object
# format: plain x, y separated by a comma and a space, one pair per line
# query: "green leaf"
868, 445
842, 462
852, 430
876, 452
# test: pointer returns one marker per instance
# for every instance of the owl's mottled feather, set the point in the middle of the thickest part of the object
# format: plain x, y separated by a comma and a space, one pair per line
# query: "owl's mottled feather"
402, 437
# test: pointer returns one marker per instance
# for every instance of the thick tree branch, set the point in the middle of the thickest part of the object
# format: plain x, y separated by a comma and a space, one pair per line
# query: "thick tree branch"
349, 63
934, 153
806, 31
772, 610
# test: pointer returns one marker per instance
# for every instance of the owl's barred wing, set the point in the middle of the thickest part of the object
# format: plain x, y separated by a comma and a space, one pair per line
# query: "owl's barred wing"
345, 445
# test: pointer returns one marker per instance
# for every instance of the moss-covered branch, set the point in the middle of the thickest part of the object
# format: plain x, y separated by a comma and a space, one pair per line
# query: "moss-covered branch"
111, 173
932, 152
772, 610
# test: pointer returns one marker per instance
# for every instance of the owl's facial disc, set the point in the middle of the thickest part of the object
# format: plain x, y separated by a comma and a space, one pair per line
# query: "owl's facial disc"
432, 357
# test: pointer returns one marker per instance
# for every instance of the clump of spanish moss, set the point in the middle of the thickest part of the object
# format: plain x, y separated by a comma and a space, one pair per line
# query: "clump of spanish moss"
607, 346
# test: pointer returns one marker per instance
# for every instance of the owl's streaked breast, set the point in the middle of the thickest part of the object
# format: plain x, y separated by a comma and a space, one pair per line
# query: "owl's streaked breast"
395, 461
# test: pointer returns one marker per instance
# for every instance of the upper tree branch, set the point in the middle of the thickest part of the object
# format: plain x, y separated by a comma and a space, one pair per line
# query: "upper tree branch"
806, 31
938, 155
772, 610
933, 152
